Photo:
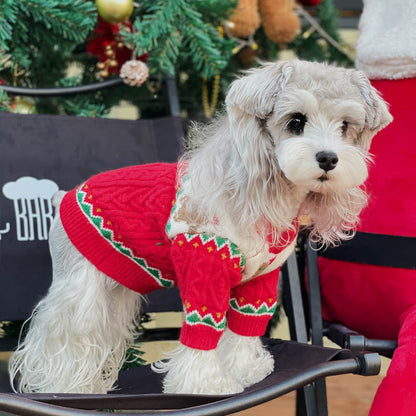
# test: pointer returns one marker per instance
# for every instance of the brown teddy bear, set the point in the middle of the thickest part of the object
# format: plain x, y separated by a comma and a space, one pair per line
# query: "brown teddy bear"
280, 23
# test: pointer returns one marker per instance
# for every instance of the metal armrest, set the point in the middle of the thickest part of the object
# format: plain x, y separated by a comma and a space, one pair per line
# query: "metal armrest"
346, 338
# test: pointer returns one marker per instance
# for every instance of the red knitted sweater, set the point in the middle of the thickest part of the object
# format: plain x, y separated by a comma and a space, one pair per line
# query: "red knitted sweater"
117, 220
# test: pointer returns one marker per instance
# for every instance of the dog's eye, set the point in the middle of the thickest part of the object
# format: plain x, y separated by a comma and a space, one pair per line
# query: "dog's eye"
297, 123
344, 127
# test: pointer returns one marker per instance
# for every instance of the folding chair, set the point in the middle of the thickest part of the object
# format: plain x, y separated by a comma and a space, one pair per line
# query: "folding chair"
362, 249
64, 151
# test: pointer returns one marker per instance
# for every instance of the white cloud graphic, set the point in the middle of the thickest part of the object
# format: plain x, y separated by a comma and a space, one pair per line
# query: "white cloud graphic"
30, 188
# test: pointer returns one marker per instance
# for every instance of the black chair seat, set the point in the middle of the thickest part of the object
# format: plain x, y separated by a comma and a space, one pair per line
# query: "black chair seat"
140, 388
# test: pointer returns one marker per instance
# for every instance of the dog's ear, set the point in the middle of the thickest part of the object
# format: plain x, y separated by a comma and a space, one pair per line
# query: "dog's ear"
255, 93
377, 113
250, 101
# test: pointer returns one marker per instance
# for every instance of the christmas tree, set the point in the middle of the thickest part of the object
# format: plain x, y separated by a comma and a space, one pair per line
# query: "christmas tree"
49, 43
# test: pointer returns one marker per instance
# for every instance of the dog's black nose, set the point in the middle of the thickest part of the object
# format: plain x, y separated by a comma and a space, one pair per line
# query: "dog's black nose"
327, 160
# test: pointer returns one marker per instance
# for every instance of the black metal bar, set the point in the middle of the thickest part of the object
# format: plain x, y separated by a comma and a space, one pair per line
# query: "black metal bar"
53, 92
174, 106
314, 295
315, 314
293, 303
305, 398
346, 338
27, 407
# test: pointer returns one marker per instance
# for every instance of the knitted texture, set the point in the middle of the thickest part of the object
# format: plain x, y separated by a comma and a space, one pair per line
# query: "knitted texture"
207, 268
252, 304
119, 219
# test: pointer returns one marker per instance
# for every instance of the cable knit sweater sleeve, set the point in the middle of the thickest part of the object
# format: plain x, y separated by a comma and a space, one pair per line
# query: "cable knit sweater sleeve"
207, 267
252, 304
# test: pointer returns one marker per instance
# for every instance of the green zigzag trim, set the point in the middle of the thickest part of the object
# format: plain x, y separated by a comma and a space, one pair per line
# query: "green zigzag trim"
250, 309
98, 221
220, 242
194, 318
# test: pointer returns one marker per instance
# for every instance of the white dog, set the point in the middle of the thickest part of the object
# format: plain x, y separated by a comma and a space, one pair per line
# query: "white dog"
294, 141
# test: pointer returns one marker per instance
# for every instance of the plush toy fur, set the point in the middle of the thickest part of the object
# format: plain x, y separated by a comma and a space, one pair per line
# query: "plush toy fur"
280, 23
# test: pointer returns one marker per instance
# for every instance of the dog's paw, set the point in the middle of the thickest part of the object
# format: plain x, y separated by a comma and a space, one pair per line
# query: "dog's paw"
245, 358
191, 371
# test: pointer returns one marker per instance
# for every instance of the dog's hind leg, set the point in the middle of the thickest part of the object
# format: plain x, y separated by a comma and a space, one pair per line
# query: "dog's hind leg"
79, 332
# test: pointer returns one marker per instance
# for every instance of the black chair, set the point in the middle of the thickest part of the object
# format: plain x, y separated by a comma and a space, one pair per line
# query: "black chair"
364, 248
64, 151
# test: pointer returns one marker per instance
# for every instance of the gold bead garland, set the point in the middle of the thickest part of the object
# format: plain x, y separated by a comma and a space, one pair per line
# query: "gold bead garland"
110, 62
209, 108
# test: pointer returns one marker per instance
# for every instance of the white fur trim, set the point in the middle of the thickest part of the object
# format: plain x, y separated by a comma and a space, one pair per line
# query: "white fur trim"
386, 48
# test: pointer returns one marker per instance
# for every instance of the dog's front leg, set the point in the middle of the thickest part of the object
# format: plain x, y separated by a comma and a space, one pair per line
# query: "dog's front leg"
244, 358
240, 349
207, 268
196, 371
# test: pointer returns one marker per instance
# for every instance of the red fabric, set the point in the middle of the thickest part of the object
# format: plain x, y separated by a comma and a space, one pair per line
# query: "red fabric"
379, 301
136, 211
391, 184
206, 274
396, 394
261, 295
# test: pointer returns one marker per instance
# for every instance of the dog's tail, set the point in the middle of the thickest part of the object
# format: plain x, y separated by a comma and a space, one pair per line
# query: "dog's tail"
57, 198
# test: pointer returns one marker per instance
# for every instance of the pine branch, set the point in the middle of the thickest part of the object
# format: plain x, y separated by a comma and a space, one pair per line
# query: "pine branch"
133, 358
156, 22
71, 20
206, 57
81, 105
8, 17
4, 101
164, 57
167, 27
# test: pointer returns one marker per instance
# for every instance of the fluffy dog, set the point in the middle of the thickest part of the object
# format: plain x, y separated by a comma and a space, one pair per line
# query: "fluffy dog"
294, 140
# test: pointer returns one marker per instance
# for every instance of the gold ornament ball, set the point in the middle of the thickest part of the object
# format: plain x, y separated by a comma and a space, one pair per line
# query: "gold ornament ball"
104, 73
23, 105
109, 53
114, 11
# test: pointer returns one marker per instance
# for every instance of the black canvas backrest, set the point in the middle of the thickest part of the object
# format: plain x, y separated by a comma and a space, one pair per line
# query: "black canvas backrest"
40, 154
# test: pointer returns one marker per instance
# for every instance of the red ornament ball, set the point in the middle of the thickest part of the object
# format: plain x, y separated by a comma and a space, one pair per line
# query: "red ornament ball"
309, 3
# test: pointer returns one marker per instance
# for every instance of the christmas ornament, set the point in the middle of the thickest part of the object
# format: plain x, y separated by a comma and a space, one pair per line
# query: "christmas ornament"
23, 105
134, 73
114, 11
108, 45
309, 3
